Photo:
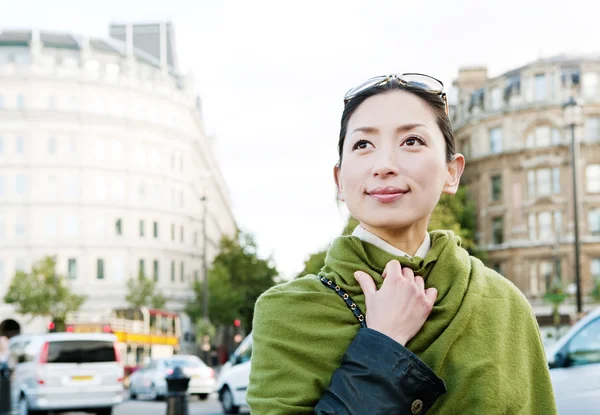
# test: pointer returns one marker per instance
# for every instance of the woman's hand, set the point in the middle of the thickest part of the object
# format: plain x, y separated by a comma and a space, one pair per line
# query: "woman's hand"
402, 304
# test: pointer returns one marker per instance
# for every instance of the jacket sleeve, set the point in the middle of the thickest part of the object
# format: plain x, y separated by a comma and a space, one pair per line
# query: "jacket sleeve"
380, 376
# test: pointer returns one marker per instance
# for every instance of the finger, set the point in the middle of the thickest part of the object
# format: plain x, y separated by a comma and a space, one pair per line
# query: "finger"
420, 283
431, 294
408, 273
392, 269
366, 282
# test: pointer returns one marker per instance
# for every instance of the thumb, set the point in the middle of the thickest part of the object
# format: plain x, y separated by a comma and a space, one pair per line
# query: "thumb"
431, 294
366, 282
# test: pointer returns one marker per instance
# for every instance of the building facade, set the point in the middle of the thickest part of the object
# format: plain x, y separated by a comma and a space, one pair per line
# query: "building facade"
104, 163
512, 132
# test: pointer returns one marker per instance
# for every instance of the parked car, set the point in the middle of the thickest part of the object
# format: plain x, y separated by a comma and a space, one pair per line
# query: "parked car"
574, 362
66, 371
234, 378
150, 381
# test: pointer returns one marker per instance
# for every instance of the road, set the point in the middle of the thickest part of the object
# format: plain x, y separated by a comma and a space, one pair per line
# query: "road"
209, 407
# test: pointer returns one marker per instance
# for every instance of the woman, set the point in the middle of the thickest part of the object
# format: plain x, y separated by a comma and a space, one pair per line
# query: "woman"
443, 333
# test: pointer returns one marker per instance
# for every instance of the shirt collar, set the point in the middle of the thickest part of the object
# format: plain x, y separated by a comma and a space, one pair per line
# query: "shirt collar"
366, 236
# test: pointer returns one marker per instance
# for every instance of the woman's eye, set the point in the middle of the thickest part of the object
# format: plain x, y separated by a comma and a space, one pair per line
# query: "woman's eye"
413, 141
361, 145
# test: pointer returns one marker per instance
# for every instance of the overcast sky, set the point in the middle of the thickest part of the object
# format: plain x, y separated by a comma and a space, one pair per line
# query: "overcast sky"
272, 75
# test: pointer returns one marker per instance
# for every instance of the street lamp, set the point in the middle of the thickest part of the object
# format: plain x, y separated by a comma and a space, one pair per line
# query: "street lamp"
572, 115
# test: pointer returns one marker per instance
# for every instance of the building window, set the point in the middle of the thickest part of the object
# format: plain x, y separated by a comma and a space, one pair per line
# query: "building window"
496, 140
556, 180
497, 231
532, 227
72, 230
20, 101
595, 269
546, 271
72, 187
20, 226
590, 84
544, 183
72, 269
119, 267
181, 198
20, 184
118, 189
155, 270
51, 226
142, 192
181, 234
172, 231
100, 188
557, 223
20, 264
543, 136
141, 268
592, 178
72, 146
173, 161
100, 269
155, 229
20, 145
172, 271
181, 272
545, 226
496, 188
52, 146
196, 275
540, 91
196, 238
496, 99
592, 127
594, 221
141, 228
117, 151
119, 227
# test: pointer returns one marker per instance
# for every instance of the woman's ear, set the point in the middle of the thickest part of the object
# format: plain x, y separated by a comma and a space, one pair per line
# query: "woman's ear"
338, 182
455, 171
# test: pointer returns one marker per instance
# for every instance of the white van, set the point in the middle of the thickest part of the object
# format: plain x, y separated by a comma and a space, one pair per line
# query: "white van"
234, 378
574, 362
66, 371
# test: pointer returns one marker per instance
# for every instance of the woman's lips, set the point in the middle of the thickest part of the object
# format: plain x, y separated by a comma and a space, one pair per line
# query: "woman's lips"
387, 194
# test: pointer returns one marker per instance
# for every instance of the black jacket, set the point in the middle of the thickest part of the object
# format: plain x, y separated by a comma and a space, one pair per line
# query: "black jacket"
380, 376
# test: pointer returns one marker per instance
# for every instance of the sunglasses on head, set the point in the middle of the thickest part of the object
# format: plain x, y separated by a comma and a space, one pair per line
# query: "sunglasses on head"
418, 80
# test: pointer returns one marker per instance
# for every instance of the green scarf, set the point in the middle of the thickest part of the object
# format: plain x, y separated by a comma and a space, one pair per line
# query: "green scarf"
481, 338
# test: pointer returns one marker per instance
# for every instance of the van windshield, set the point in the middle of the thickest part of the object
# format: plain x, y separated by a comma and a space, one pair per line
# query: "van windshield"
82, 351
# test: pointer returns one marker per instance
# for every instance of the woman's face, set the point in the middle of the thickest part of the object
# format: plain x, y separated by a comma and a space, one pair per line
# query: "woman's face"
394, 169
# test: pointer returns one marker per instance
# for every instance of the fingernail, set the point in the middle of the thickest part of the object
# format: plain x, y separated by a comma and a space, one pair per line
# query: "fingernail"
357, 274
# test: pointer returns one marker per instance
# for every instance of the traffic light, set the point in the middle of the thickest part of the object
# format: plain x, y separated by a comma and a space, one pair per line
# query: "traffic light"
237, 323
51, 327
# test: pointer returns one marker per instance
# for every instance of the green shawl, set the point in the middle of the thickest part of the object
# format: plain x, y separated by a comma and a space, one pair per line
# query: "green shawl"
481, 338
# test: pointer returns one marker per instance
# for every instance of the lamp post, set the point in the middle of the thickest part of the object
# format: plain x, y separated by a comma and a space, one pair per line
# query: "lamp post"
204, 262
572, 115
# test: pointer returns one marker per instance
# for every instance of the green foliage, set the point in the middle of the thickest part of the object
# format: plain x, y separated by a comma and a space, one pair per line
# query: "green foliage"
142, 292
595, 293
556, 295
235, 281
43, 292
458, 214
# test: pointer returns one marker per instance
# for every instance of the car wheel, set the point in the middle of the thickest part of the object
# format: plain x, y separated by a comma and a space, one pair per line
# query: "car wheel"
23, 408
132, 394
229, 406
203, 396
104, 411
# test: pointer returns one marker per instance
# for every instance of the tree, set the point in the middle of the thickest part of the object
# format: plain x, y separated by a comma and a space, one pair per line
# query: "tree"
235, 281
457, 213
43, 292
556, 295
141, 292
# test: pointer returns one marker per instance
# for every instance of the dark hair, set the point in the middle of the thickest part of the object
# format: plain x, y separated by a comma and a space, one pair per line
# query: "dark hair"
433, 101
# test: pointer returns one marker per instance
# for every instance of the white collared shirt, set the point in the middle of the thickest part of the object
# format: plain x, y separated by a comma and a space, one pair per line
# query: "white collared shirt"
366, 236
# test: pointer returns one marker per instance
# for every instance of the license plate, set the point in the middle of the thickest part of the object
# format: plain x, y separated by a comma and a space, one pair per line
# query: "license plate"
81, 378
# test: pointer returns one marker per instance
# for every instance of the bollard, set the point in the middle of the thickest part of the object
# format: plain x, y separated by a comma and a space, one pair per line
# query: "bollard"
177, 385
5, 402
